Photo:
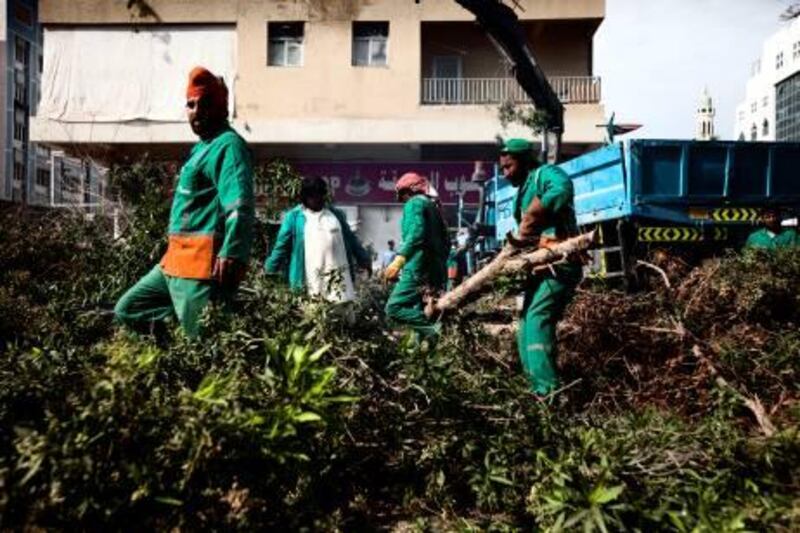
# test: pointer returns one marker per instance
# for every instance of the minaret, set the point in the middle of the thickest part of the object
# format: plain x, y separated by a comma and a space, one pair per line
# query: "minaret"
705, 118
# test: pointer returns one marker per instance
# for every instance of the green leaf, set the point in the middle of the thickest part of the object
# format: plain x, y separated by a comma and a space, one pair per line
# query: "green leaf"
316, 355
256, 420
147, 358
342, 399
502, 480
308, 416
212, 390
601, 495
166, 500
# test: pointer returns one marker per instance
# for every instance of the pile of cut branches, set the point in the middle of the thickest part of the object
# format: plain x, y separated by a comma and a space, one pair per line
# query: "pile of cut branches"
734, 318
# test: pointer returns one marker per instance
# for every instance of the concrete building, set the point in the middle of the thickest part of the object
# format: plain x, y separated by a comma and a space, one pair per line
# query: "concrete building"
355, 90
758, 116
25, 165
705, 129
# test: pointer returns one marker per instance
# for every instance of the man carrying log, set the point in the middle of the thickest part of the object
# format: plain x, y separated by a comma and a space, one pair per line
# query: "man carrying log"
211, 221
544, 210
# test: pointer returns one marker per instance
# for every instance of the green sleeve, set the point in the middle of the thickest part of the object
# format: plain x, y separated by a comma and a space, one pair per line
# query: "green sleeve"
235, 191
282, 251
557, 190
352, 243
788, 239
756, 240
413, 227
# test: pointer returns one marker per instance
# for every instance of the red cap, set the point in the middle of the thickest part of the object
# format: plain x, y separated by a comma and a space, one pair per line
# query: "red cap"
411, 181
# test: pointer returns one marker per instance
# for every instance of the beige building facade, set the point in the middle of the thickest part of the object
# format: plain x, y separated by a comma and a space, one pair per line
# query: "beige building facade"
312, 80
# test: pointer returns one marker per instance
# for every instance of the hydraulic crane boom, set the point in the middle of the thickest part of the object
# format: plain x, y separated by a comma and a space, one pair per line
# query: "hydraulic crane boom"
501, 24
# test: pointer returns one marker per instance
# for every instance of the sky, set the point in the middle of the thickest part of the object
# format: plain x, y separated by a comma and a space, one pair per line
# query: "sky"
655, 57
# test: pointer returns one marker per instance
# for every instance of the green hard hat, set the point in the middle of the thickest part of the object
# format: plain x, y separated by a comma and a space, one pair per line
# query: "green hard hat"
517, 146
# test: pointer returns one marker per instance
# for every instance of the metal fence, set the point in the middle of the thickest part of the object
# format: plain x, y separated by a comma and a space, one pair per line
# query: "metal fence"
466, 91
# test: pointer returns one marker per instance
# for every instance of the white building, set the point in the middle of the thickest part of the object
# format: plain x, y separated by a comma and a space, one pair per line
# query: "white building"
704, 129
780, 59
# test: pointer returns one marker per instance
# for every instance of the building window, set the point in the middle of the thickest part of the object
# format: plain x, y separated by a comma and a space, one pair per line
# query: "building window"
21, 51
765, 128
754, 133
20, 88
779, 61
753, 107
42, 152
765, 101
285, 45
20, 125
43, 177
370, 44
23, 14
19, 165
796, 51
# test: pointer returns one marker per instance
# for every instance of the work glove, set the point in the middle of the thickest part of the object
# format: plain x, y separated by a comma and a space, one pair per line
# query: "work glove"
228, 272
393, 270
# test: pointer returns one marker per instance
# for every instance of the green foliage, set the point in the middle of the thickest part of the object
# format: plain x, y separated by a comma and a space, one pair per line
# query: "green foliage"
649, 471
535, 120
278, 184
295, 414
127, 428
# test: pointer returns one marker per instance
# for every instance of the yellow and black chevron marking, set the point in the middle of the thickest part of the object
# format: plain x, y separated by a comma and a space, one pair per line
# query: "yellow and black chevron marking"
720, 234
669, 234
735, 214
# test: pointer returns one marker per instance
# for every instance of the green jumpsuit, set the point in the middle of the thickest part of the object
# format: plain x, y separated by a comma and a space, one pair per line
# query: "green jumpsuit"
425, 249
764, 238
546, 295
212, 217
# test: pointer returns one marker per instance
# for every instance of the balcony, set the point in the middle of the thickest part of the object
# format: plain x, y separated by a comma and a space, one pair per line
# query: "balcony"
481, 91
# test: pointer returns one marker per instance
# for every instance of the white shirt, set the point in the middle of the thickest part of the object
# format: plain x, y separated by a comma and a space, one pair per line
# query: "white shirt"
387, 258
327, 269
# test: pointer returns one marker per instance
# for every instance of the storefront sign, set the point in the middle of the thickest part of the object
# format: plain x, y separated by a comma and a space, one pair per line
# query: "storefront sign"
373, 183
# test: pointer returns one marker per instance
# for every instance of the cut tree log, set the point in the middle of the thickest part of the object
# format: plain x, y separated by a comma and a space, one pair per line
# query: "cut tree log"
509, 260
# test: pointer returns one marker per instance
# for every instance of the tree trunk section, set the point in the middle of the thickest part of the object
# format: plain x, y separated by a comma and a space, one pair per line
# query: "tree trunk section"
509, 260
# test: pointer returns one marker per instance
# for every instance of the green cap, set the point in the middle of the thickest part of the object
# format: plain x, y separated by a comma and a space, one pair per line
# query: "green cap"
517, 146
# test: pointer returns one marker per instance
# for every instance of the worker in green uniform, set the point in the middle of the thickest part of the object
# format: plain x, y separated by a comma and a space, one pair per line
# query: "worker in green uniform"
544, 210
772, 235
421, 261
296, 249
211, 221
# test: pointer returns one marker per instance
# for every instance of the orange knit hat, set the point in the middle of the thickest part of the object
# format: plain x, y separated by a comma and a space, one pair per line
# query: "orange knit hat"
203, 83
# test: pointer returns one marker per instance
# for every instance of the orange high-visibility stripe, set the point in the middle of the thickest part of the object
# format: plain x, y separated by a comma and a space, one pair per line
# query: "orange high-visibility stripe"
189, 256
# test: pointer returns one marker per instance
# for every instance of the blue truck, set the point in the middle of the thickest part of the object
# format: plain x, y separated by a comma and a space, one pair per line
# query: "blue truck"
700, 197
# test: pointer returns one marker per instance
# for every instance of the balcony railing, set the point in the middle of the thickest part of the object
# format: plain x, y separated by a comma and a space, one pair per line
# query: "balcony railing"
466, 91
